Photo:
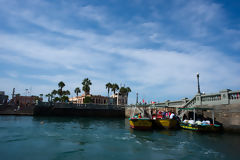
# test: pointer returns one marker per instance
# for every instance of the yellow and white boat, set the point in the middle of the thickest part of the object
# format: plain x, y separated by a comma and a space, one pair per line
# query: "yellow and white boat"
201, 127
167, 123
140, 123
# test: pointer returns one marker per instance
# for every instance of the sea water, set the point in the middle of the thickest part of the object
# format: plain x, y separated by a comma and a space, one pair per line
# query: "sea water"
58, 138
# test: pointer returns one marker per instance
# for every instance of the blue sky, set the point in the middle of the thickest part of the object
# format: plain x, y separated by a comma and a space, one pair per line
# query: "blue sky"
155, 47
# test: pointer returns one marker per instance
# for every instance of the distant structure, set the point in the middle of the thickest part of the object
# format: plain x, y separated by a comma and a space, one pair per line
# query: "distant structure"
116, 98
119, 99
95, 99
199, 92
25, 101
3, 97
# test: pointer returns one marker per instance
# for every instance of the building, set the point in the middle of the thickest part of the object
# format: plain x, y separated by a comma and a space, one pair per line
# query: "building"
3, 97
24, 101
120, 99
116, 98
94, 99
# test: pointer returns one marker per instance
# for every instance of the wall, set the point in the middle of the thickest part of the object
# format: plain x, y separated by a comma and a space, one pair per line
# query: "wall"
92, 110
228, 115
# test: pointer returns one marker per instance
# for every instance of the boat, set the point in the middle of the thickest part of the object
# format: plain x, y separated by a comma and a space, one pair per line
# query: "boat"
202, 126
140, 122
165, 122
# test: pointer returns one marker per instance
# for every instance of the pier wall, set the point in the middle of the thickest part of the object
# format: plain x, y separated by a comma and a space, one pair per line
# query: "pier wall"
83, 110
227, 114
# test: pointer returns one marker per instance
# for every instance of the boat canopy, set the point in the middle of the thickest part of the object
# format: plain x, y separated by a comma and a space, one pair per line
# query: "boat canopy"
159, 106
196, 108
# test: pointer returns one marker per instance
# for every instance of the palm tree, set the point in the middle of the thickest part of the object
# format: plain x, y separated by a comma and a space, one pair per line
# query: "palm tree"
61, 85
108, 87
115, 87
86, 86
124, 91
77, 90
54, 92
48, 96
128, 89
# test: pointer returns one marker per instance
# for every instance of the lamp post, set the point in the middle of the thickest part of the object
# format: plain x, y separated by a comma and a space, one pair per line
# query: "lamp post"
199, 92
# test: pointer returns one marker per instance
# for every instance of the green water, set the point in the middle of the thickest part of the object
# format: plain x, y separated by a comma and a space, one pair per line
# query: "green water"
58, 138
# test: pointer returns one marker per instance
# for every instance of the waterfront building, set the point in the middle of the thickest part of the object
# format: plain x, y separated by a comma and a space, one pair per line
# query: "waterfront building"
120, 99
116, 98
24, 101
95, 99
3, 97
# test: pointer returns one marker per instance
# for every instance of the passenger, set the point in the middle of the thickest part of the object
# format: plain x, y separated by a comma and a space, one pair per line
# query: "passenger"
172, 116
204, 122
191, 121
163, 115
208, 122
159, 114
139, 115
198, 122
169, 114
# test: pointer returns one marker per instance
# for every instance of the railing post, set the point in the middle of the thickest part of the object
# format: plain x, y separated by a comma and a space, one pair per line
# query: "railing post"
167, 102
225, 96
198, 99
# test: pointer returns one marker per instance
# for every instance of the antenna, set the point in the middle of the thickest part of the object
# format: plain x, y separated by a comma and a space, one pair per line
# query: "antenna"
137, 99
30, 92
13, 93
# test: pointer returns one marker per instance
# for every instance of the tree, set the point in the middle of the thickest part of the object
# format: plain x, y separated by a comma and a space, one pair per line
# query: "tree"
124, 91
87, 99
77, 91
128, 90
48, 96
86, 86
108, 87
115, 87
54, 92
61, 85
63, 94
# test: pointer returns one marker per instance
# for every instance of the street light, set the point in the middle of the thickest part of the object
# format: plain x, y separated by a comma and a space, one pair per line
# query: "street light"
198, 83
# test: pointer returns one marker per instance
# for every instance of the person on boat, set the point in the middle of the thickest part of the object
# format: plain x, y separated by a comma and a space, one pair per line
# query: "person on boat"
163, 115
204, 122
198, 122
191, 121
135, 116
139, 115
172, 116
185, 121
208, 122
159, 114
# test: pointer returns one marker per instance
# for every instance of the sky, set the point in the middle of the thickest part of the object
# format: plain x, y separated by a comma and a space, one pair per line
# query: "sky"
155, 47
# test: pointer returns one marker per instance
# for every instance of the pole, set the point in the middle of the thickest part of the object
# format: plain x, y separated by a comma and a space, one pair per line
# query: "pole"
198, 83
137, 99
194, 114
213, 116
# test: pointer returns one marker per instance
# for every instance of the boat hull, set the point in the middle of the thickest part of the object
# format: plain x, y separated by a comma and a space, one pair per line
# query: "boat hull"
141, 124
201, 128
167, 123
